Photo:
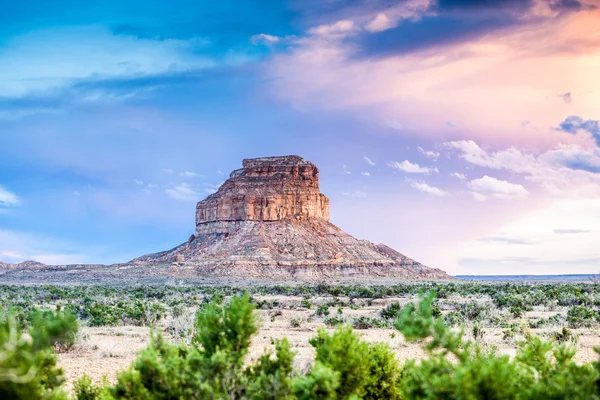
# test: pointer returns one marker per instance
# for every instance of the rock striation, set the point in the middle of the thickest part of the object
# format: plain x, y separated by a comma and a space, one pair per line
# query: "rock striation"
265, 189
270, 220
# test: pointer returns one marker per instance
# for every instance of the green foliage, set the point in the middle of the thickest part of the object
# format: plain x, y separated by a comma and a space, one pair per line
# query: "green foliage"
384, 372
321, 383
271, 378
540, 369
581, 316
392, 311
369, 371
27, 359
343, 352
84, 389
306, 303
322, 311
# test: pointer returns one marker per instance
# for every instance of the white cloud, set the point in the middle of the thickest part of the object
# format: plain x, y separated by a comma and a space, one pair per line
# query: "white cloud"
393, 16
369, 161
365, 173
489, 187
425, 188
264, 38
458, 175
138, 182
183, 192
429, 153
380, 23
167, 170
336, 30
411, 168
190, 174
566, 170
7, 198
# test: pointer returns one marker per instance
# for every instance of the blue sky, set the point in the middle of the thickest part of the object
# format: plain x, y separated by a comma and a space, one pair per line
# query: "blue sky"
464, 134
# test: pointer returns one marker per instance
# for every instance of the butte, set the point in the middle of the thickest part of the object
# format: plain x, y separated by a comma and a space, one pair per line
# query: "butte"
270, 220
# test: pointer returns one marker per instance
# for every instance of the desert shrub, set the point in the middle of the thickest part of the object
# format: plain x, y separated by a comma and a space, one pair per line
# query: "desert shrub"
319, 383
322, 311
516, 312
384, 372
343, 352
305, 303
556, 319
295, 322
363, 322
27, 359
334, 321
391, 311
540, 369
84, 389
563, 336
580, 316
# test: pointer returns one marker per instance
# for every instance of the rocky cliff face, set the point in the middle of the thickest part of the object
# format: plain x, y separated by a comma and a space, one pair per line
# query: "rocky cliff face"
270, 220
265, 189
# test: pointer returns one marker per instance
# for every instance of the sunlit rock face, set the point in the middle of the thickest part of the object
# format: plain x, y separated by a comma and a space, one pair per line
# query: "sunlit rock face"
270, 220
265, 189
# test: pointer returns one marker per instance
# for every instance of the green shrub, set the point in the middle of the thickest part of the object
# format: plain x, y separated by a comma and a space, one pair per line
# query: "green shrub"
541, 370
581, 316
322, 311
305, 303
27, 359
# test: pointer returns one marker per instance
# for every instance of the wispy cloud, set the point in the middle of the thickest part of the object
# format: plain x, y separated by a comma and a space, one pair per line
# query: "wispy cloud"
369, 161
431, 190
429, 153
190, 174
45, 60
566, 170
458, 175
184, 192
366, 173
489, 187
570, 231
8, 198
411, 168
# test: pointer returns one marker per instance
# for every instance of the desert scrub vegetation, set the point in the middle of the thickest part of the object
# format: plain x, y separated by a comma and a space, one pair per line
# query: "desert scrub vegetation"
214, 363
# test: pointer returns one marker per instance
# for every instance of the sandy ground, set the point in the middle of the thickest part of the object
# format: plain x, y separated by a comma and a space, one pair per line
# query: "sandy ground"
103, 352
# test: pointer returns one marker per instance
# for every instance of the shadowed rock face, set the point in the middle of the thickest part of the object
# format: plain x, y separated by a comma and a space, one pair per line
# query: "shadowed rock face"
265, 189
270, 219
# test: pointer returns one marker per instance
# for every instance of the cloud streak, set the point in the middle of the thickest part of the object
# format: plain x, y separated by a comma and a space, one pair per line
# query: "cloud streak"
411, 168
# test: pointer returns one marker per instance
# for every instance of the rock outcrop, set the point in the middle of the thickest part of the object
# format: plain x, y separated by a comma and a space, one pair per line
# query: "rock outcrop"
265, 189
270, 220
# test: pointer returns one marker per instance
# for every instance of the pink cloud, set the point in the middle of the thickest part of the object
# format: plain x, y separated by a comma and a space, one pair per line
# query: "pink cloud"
489, 86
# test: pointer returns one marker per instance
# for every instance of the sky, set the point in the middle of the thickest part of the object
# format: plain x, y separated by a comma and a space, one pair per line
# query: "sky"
463, 133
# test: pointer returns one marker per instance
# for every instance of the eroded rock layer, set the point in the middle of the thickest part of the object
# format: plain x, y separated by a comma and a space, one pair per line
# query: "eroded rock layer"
265, 189
270, 219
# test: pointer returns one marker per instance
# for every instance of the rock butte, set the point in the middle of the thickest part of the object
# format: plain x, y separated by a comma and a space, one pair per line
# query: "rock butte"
270, 220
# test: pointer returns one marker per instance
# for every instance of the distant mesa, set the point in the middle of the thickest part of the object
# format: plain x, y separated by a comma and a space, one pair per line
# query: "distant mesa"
270, 220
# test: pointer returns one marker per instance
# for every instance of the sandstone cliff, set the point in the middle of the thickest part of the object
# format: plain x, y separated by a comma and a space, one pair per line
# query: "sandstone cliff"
270, 219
